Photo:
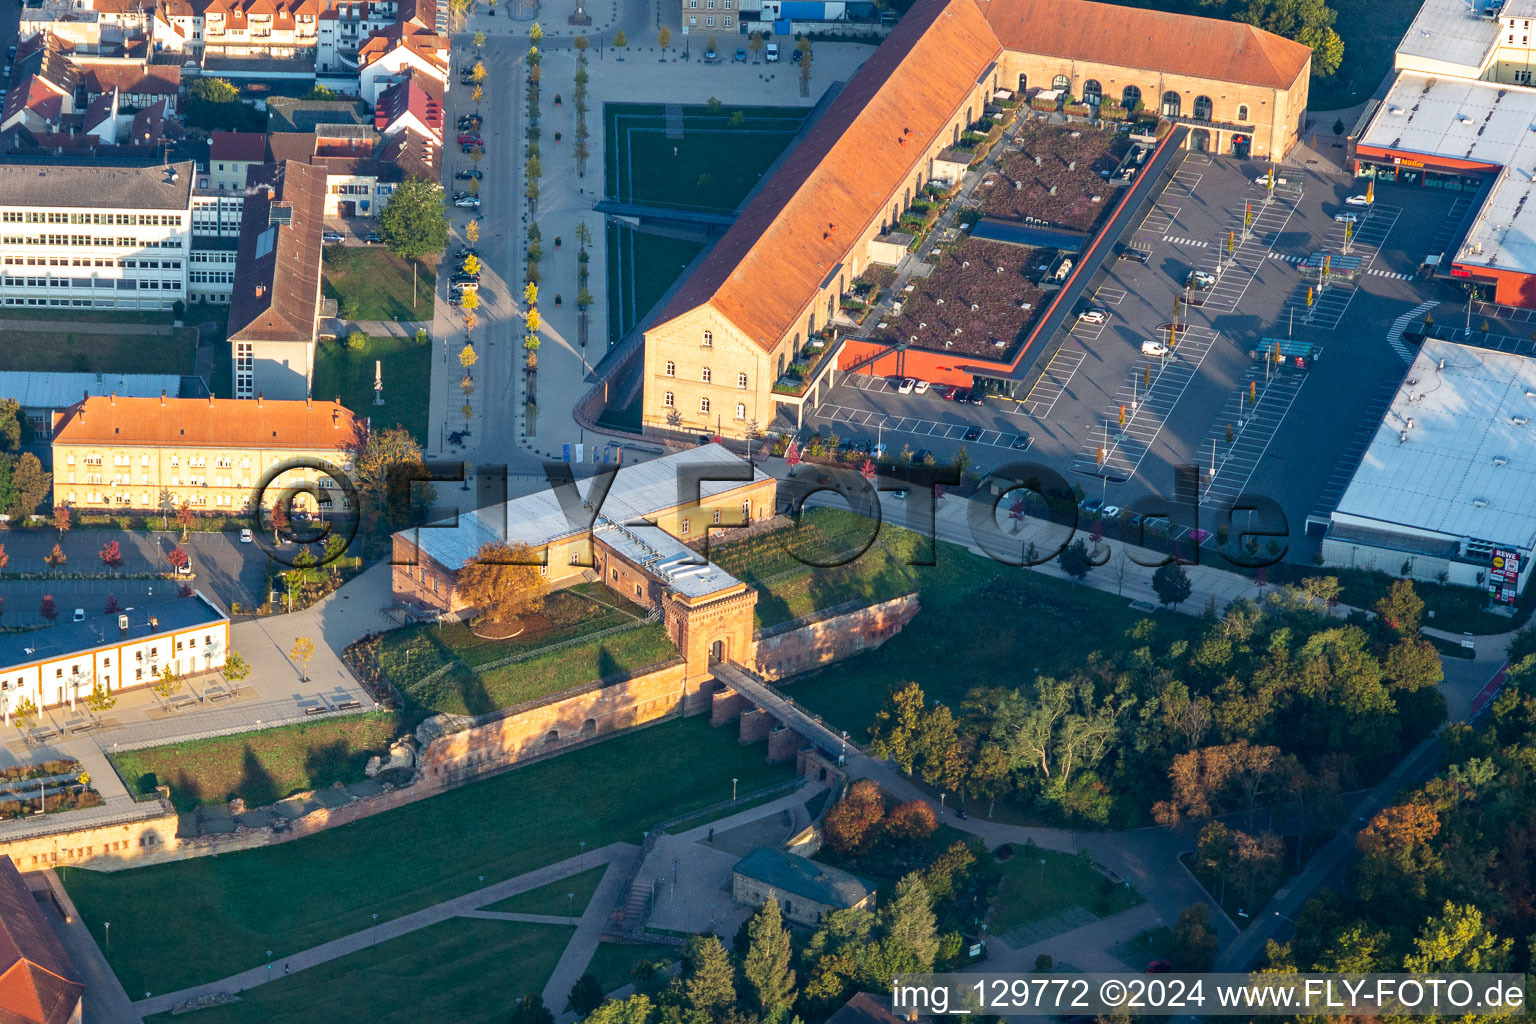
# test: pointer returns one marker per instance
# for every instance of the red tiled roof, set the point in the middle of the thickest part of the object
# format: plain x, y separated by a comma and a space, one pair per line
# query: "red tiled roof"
408, 97
239, 147
34, 968
200, 422
1136, 37
131, 79
804, 220
414, 154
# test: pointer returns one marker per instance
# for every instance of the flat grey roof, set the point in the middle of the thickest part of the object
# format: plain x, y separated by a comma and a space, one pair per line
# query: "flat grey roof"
666, 557
1447, 37
638, 491
61, 186
1466, 468
100, 630
42, 390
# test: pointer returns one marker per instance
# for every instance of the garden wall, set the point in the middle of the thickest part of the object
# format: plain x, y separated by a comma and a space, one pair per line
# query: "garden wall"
100, 845
807, 643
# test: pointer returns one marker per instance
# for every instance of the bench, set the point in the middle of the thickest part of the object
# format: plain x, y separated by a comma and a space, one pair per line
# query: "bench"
317, 709
187, 702
349, 705
222, 695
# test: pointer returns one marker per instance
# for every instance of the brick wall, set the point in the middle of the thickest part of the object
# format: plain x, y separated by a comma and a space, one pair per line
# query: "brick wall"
103, 846
814, 642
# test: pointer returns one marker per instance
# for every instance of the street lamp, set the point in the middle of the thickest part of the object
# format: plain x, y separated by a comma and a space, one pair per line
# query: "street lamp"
733, 791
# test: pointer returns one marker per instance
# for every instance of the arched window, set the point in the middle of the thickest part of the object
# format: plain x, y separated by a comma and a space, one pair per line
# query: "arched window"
709, 339
705, 374
669, 399
1242, 112
671, 368
1093, 92
1203, 107
1023, 82
956, 138
781, 366
831, 305
741, 380
1172, 104
703, 405
741, 413
1130, 99
1062, 83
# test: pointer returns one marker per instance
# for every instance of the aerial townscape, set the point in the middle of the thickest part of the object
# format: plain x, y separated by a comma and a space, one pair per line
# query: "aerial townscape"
463, 457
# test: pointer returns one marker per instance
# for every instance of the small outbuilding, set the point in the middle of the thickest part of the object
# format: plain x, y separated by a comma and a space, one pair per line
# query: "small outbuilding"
805, 889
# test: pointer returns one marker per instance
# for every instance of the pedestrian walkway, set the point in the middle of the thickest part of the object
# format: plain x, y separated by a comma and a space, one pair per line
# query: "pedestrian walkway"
1085, 947
618, 856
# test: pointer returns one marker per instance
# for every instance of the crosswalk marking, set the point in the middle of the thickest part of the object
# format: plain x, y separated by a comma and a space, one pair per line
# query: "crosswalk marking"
1193, 243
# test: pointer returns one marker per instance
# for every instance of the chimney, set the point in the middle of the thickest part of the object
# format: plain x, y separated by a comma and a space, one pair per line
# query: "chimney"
162, 398
112, 398
122, 626
210, 400
258, 399
309, 402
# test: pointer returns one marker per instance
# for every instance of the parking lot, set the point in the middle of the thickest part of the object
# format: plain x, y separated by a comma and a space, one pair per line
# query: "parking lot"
1290, 430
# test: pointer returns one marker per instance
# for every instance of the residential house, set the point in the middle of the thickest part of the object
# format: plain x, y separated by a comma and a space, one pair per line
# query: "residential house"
37, 983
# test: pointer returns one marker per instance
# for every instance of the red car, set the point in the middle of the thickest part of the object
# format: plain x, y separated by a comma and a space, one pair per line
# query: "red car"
470, 139
1157, 967
955, 394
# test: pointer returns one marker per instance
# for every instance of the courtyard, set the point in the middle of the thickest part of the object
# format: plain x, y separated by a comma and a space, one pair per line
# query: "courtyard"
405, 369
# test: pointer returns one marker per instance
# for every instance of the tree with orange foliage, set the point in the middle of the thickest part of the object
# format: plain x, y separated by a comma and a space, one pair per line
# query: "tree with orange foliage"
913, 821
853, 822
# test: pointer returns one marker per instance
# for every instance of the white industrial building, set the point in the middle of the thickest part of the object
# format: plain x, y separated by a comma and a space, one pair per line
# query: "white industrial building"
1447, 487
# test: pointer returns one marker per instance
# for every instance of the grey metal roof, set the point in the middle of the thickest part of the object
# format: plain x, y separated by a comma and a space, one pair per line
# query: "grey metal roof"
114, 188
1466, 466
99, 630
638, 491
40, 390
664, 556
799, 876
1448, 37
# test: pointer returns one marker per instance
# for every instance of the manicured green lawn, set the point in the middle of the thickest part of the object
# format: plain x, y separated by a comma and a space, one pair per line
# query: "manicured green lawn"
229, 910
980, 623
613, 961
556, 897
1153, 945
99, 352
641, 267
466, 970
370, 283
1031, 891
261, 767
407, 374
712, 167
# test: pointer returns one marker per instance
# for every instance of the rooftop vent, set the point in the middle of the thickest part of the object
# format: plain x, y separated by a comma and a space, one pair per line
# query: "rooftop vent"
1499, 460
1479, 502
1518, 421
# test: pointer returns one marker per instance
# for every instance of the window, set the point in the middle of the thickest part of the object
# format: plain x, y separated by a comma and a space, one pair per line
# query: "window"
615, 574
1061, 82
575, 558
703, 405
704, 375
671, 368
1242, 112
668, 400
1203, 108
741, 380
1093, 92
709, 21
727, 17
685, 527
709, 339
746, 509
741, 411
716, 519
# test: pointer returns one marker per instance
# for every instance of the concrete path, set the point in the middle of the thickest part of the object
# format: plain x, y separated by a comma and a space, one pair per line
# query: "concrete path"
105, 1001
1085, 948
619, 856
594, 920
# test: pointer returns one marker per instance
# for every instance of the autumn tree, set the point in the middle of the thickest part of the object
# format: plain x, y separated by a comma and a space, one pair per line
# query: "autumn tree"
387, 463
167, 683
177, 558
185, 518
111, 555
62, 519
111, 607
503, 581
1194, 940
235, 667
1401, 608
853, 822
913, 821
56, 557
47, 609
301, 652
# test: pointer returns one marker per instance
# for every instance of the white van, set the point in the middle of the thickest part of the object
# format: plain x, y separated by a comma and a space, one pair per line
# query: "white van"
773, 53
1153, 348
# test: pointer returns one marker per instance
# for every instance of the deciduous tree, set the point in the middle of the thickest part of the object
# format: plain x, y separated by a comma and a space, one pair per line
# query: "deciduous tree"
301, 652
853, 822
1172, 584
111, 556
503, 581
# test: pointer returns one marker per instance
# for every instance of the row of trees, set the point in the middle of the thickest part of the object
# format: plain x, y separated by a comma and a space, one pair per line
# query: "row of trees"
24, 486
1277, 705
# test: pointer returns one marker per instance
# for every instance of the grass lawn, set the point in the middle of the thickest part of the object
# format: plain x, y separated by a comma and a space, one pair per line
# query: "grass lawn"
407, 373
229, 910
1031, 891
712, 167
371, 283
261, 767
1153, 945
554, 898
407, 656
99, 352
1000, 623
1371, 30
641, 267
613, 961
465, 970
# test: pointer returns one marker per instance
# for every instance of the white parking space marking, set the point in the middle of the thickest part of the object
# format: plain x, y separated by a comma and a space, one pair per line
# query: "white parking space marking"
916, 426
1365, 430
1148, 394
1160, 218
1110, 295
1183, 183
1249, 249
1053, 382
1328, 305
1369, 234
1253, 425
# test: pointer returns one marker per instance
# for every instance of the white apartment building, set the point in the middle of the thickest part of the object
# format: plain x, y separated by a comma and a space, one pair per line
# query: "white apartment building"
61, 665
107, 237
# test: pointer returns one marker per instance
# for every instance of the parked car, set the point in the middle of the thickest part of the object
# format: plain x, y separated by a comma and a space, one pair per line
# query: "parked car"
1346, 217
973, 396
711, 56
335, 237
972, 433
1133, 253
185, 568
1021, 443
470, 122
772, 55
920, 388
1157, 967
470, 139
373, 238
465, 252
1153, 348
906, 386
1200, 279
468, 148
1358, 201
463, 278
1263, 179
467, 202
952, 393
245, 535
1093, 316
473, 174
741, 55
798, 56
1112, 511
899, 495
79, 614
1091, 506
